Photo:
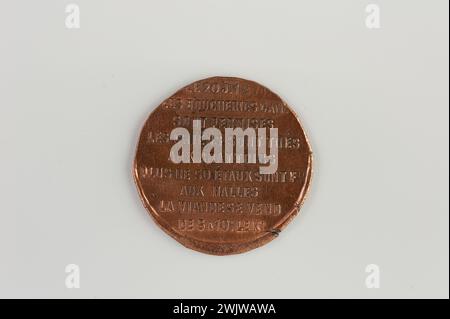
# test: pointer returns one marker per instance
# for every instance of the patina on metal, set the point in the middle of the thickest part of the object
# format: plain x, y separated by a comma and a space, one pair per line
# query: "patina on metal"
206, 198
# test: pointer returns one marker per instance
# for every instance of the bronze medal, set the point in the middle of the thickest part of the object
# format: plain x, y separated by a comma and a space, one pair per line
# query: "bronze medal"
223, 165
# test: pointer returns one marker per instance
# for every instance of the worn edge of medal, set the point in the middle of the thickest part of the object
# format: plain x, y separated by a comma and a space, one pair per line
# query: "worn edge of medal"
222, 239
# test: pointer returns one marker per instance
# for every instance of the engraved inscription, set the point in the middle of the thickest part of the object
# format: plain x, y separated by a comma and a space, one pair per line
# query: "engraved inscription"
220, 175
284, 142
235, 191
223, 122
221, 225
194, 207
192, 190
205, 105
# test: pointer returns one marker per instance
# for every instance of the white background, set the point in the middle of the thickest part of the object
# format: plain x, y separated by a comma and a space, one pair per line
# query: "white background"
373, 102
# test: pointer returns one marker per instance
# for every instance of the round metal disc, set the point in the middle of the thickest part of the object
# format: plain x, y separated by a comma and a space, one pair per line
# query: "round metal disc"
223, 205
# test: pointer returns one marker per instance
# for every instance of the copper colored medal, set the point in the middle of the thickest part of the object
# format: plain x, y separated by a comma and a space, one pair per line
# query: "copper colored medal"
223, 165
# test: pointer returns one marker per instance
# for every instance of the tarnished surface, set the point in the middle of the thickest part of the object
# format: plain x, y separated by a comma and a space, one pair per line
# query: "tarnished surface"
222, 208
